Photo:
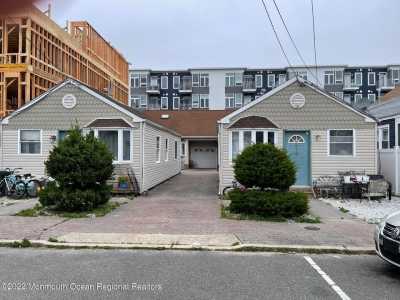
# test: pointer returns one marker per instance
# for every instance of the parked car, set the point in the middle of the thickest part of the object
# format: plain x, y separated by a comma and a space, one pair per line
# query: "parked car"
387, 239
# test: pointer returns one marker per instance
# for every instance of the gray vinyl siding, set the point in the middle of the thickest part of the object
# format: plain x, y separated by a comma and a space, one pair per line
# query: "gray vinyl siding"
318, 115
154, 172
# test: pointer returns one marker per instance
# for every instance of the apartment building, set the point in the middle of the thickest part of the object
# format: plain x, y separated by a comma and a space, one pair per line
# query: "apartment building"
36, 54
230, 88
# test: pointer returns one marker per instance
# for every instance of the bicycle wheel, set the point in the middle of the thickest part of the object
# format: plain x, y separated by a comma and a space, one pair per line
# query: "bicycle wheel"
32, 188
20, 190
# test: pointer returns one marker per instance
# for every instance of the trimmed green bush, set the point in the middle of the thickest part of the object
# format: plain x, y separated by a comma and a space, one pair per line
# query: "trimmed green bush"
268, 203
265, 166
81, 166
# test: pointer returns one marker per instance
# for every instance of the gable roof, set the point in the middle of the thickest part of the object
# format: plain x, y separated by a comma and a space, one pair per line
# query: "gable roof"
392, 95
300, 80
129, 111
385, 109
189, 123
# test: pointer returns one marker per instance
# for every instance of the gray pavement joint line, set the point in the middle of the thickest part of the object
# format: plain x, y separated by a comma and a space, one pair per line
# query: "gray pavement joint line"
51, 227
326, 277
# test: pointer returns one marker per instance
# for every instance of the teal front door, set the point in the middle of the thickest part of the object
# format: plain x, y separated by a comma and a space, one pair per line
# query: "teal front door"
297, 144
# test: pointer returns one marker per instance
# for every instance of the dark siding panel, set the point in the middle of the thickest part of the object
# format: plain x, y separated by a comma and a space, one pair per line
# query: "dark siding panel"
392, 130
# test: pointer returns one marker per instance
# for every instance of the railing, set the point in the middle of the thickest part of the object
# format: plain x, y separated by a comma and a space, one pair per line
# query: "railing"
350, 84
12, 58
249, 84
385, 83
153, 87
186, 84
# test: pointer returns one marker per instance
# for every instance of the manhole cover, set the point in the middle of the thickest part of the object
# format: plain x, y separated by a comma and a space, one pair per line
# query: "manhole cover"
314, 228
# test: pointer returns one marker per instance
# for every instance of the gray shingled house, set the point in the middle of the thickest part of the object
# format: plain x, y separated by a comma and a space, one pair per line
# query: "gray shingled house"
29, 133
322, 134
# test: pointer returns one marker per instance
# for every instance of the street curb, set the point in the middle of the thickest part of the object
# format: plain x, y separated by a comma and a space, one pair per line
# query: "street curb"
310, 249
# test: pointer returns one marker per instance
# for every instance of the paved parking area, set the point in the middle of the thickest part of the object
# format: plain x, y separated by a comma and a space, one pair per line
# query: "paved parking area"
188, 204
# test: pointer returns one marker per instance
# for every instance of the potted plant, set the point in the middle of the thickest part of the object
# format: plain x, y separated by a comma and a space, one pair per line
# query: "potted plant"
123, 183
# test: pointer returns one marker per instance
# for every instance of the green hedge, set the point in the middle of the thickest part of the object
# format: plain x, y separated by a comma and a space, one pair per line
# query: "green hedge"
268, 203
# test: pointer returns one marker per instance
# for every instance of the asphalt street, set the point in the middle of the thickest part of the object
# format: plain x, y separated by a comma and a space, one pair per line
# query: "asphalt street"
118, 274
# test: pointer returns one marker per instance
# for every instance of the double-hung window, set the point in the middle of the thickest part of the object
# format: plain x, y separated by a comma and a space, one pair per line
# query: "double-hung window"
329, 78
281, 79
271, 80
158, 149
164, 82
176, 102
371, 78
238, 79
238, 100
383, 137
204, 80
339, 76
240, 139
395, 75
143, 80
30, 141
341, 142
135, 81
358, 78
204, 102
229, 79
371, 98
195, 100
166, 149
196, 80
164, 103
118, 141
259, 81
230, 100
176, 82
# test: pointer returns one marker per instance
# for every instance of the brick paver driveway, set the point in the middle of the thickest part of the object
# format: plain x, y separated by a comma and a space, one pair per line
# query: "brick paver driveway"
188, 204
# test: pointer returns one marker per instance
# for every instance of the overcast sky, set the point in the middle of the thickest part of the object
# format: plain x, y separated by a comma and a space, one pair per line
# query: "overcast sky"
165, 34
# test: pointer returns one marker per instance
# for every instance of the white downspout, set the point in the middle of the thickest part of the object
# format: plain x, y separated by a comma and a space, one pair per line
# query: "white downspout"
142, 167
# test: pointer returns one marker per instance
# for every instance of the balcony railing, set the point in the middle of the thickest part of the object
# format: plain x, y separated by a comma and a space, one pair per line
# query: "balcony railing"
153, 87
385, 83
249, 85
350, 84
186, 85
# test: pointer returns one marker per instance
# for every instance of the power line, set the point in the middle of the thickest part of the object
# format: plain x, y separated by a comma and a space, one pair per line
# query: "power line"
276, 34
315, 47
293, 43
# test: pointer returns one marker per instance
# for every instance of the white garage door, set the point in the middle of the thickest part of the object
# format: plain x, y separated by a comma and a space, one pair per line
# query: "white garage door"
203, 155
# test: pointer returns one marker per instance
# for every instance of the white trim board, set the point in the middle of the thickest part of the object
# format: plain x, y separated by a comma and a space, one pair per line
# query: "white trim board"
227, 118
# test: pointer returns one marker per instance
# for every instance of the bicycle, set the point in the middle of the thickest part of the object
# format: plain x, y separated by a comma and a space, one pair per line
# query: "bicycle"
18, 186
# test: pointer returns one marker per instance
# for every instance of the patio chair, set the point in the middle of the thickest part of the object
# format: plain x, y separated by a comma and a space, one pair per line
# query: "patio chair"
375, 189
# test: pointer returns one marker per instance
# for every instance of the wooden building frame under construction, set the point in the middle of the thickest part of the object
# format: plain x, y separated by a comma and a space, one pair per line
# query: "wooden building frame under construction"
36, 54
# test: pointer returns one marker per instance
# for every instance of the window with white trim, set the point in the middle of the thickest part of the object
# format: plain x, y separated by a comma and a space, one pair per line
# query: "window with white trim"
30, 141
246, 99
204, 102
271, 80
166, 149
341, 142
158, 150
164, 102
281, 79
229, 100
176, 150
395, 75
259, 81
384, 137
329, 78
176, 102
229, 79
372, 98
358, 78
240, 139
195, 100
347, 98
118, 141
238, 79
339, 95
357, 98
143, 80
164, 82
339, 76
204, 80
176, 82
195, 79
238, 100
135, 81
143, 101
371, 78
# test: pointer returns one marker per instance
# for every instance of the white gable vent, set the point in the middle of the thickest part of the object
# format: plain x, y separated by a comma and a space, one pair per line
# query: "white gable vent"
165, 116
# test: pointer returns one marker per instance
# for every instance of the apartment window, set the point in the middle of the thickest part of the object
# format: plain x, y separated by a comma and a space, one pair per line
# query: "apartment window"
158, 150
195, 80
302, 74
341, 142
371, 78
339, 76
183, 149
135, 102
143, 80
164, 102
195, 100
347, 98
329, 78
357, 98
143, 101
271, 80
246, 99
118, 142
282, 79
229, 79
176, 150
259, 81
238, 79
204, 102
30, 141
154, 82
164, 82
204, 80
339, 95
176, 102
396, 75
229, 100
135, 81
176, 82
358, 78
244, 138
166, 149
238, 100
372, 98
384, 137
